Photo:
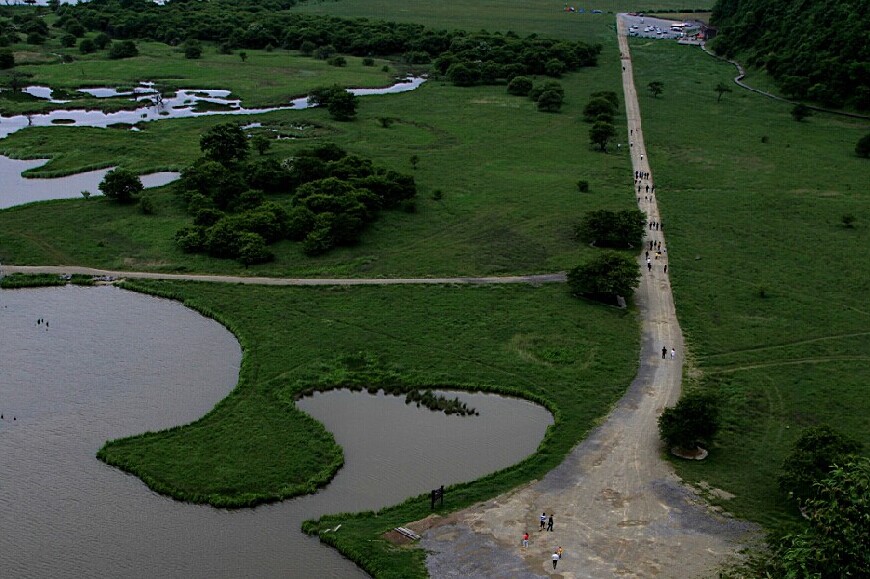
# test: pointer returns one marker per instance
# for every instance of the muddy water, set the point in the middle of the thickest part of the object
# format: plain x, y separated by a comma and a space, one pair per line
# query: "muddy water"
114, 363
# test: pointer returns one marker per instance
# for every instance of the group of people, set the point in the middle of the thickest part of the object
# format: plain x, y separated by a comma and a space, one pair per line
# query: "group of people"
546, 524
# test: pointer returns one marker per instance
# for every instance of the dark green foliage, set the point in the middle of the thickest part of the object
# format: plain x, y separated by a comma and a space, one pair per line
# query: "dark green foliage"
192, 49
261, 142
337, 61
123, 49
816, 50
7, 59
520, 86
721, 88
550, 85
693, 421
225, 143
801, 112
583, 186
605, 228
848, 221
87, 46
599, 109
605, 276
102, 40
121, 185
656, 87
307, 48
550, 101
368, 61
340, 103
862, 147
600, 134
68, 40
147, 205
836, 543
252, 249
813, 456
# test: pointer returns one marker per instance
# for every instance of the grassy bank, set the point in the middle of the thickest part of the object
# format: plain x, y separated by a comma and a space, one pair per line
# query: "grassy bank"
533, 342
769, 283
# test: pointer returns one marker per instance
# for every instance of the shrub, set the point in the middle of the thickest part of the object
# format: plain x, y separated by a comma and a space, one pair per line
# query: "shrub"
583, 186
147, 206
368, 61
520, 86
813, 455
693, 421
123, 49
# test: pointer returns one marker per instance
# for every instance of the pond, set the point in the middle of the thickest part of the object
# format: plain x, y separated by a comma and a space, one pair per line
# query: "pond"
18, 190
109, 363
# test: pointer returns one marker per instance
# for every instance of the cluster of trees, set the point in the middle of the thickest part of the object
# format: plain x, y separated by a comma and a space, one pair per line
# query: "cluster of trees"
462, 57
548, 95
327, 198
23, 25
600, 111
816, 50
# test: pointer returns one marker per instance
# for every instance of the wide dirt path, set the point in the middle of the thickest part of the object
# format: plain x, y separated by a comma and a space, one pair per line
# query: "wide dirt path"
619, 509
117, 275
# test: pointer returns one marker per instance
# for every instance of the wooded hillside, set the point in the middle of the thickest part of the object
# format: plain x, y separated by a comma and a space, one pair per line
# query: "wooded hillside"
818, 51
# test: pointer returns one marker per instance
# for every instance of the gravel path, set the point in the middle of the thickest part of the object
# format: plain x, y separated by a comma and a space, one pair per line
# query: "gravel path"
619, 509
71, 269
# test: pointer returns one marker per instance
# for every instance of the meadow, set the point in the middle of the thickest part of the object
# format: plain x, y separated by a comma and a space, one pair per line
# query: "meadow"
769, 282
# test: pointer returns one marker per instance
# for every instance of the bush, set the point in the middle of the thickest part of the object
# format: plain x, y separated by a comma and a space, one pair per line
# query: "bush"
337, 61
693, 421
583, 186
192, 49
252, 249
123, 49
102, 40
87, 46
121, 185
520, 86
605, 276
368, 61
68, 40
813, 455
7, 59
147, 206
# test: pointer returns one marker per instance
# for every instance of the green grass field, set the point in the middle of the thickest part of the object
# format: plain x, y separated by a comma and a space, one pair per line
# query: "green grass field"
769, 284
508, 174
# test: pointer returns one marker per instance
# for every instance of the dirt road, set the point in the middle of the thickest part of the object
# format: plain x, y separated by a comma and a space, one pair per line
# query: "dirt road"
619, 509
72, 269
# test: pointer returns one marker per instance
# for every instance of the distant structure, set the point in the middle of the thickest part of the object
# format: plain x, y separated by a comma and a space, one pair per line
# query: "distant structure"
708, 32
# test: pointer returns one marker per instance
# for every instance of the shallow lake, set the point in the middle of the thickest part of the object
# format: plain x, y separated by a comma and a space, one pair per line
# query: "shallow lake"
112, 363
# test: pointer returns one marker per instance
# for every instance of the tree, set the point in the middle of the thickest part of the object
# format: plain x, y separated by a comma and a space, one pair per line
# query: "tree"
87, 46
192, 49
550, 101
600, 134
243, 56
693, 421
814, 453
599, 108
520, 86
837, 543
225, 143
801, 112
607, 228
123, 49
862, 147
656, 87
262, 143
102, 40
605, 276
121, 185
252, 249
68, 40
7, 59
721, 88
342, 106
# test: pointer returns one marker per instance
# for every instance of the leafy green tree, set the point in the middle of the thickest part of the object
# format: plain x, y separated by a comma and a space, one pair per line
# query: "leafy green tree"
721, 88
102, 40
121, 185
550, 101
600, 134
7, 59
550, 85
862, 148
814, 453
607, 95
554, 67
253, 250
192, 49
837, 542
606, 228
801, 112
123, 49
342, 106
68, 40
87, 46
225, 143
262, 143
597, 108
694, 420
520, 86
605, 276
656, 87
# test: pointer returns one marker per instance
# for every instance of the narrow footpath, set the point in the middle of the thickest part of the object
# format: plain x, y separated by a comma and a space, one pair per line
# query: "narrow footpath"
619, 509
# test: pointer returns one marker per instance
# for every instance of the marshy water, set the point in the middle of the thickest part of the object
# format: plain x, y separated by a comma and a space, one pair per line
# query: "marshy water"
110, 363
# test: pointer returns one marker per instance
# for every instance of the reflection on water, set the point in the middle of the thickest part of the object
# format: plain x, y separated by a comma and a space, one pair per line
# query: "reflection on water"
182, 104
113, 363
17, 190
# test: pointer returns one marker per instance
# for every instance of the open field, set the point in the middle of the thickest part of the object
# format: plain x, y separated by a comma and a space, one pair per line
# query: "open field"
769, 284
508, 174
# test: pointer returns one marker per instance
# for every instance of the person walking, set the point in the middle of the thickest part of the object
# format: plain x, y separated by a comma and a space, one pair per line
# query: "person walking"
544, 515
550, 523
673, 353
555, 558
664, 352
666, 268
525, 539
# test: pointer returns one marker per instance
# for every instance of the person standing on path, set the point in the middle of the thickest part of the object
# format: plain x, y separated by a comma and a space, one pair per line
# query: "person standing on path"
544, 515
550, 523
664, 352
525, 540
